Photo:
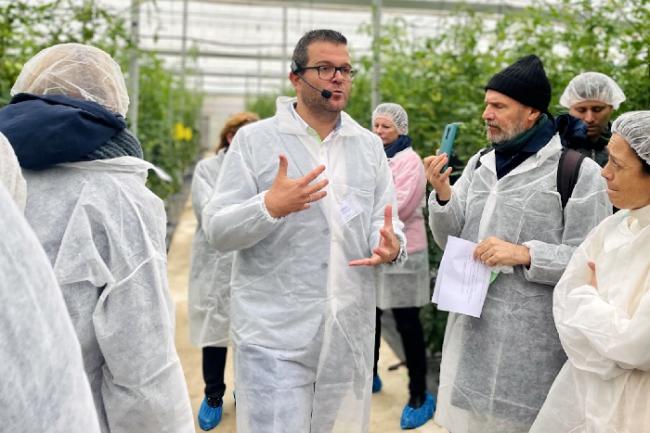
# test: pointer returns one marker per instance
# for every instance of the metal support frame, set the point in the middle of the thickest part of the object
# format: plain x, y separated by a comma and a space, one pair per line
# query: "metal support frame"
401, 5
417, 6
134, 66
376, 57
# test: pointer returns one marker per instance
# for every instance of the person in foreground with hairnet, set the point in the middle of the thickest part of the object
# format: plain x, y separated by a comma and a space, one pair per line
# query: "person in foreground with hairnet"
405, 289
303, 197
591, 97
209, 286
43, 386
103, 232
601, 305
10, 173
497, 369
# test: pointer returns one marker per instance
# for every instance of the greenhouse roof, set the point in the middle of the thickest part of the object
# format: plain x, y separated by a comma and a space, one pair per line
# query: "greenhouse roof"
242, 47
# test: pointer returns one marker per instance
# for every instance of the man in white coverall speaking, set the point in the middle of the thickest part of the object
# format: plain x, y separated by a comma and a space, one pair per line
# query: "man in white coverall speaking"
307, 199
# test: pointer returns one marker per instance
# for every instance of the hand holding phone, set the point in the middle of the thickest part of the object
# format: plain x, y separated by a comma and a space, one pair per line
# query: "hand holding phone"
447, 141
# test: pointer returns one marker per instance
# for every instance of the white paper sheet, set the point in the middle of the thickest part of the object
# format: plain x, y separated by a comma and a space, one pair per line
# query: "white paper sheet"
462, 282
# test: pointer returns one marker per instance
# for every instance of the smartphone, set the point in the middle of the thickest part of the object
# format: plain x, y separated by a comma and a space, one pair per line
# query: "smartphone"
447, 141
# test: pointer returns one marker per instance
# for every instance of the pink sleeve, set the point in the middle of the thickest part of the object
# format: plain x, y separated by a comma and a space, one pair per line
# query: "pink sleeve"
410, 184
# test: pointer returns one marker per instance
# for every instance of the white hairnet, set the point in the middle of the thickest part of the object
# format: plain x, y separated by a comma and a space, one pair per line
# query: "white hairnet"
78, 71
395, 112
634, 127
592, 86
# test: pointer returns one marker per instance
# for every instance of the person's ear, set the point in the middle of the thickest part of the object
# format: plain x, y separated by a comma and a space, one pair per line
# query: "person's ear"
293, 77
533, 114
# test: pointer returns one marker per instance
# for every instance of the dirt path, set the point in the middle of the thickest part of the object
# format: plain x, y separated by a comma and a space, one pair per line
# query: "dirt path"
386, 405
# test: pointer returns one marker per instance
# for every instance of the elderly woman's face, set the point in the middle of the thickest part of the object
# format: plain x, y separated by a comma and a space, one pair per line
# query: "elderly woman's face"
628, 186
385, 128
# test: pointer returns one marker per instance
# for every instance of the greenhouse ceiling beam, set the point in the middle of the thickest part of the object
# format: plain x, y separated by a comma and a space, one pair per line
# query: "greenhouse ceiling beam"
269, 75
216, 53
241, 92
416, 5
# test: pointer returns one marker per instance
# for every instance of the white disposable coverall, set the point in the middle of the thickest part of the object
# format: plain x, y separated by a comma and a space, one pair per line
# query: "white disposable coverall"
209, 288
10, 173
302, 318
43, 386
104, 233
407, 285
604, 387
497, 370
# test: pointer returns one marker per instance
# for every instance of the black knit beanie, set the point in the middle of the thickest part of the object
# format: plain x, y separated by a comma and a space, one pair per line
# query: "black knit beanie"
524, 81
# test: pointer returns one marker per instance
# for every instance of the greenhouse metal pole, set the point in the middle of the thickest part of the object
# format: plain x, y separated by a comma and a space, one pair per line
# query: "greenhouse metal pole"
376, 60
283, 66
134, 66
183, 57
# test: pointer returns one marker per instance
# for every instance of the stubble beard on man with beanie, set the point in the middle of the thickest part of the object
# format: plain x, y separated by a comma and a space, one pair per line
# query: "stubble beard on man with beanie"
497, 133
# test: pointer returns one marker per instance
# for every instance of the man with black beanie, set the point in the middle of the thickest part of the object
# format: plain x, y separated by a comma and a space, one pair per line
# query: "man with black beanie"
497, 369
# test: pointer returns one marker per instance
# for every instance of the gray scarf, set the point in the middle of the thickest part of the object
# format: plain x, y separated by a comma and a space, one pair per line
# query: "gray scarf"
122, 144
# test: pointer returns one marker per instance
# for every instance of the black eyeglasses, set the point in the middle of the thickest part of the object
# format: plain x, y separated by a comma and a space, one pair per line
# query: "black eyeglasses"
328, 72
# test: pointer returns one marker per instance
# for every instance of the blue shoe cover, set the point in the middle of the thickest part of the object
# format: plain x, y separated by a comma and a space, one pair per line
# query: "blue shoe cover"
413, 418
376, 384
209, 417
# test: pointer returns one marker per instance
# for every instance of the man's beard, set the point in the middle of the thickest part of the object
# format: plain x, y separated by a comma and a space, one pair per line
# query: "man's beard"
317, 103
504, 134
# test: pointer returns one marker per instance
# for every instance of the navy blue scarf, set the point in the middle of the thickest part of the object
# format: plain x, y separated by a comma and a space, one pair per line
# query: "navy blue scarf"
47, 130
402, 142
534, 139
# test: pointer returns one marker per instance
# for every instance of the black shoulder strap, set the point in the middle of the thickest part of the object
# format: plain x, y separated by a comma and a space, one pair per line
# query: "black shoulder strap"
567, 173
480, 154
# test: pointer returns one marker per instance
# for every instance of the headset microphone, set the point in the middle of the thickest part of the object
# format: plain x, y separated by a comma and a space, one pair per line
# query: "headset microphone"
323, 92
297, 69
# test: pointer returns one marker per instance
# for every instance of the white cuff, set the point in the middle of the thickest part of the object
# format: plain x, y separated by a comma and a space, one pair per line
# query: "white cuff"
265, 211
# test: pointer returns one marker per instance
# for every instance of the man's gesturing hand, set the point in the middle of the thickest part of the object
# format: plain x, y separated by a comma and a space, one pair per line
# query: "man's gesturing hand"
388, 248
496, 252
293, 195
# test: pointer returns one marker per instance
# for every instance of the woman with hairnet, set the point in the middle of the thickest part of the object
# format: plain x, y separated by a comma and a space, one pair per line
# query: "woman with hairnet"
103, 232
404, 290
209, 287
43, 386
601, 304
591, 97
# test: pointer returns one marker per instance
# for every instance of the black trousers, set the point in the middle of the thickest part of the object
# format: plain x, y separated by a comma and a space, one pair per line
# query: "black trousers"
410, 329
214, 365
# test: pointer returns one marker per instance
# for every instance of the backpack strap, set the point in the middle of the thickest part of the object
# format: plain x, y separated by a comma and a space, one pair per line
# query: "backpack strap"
567, 173
480, 154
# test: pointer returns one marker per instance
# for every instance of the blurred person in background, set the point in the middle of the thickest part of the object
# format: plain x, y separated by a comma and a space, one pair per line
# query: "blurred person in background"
591, 97
405, 289
601, 305
209, 286
103, 232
